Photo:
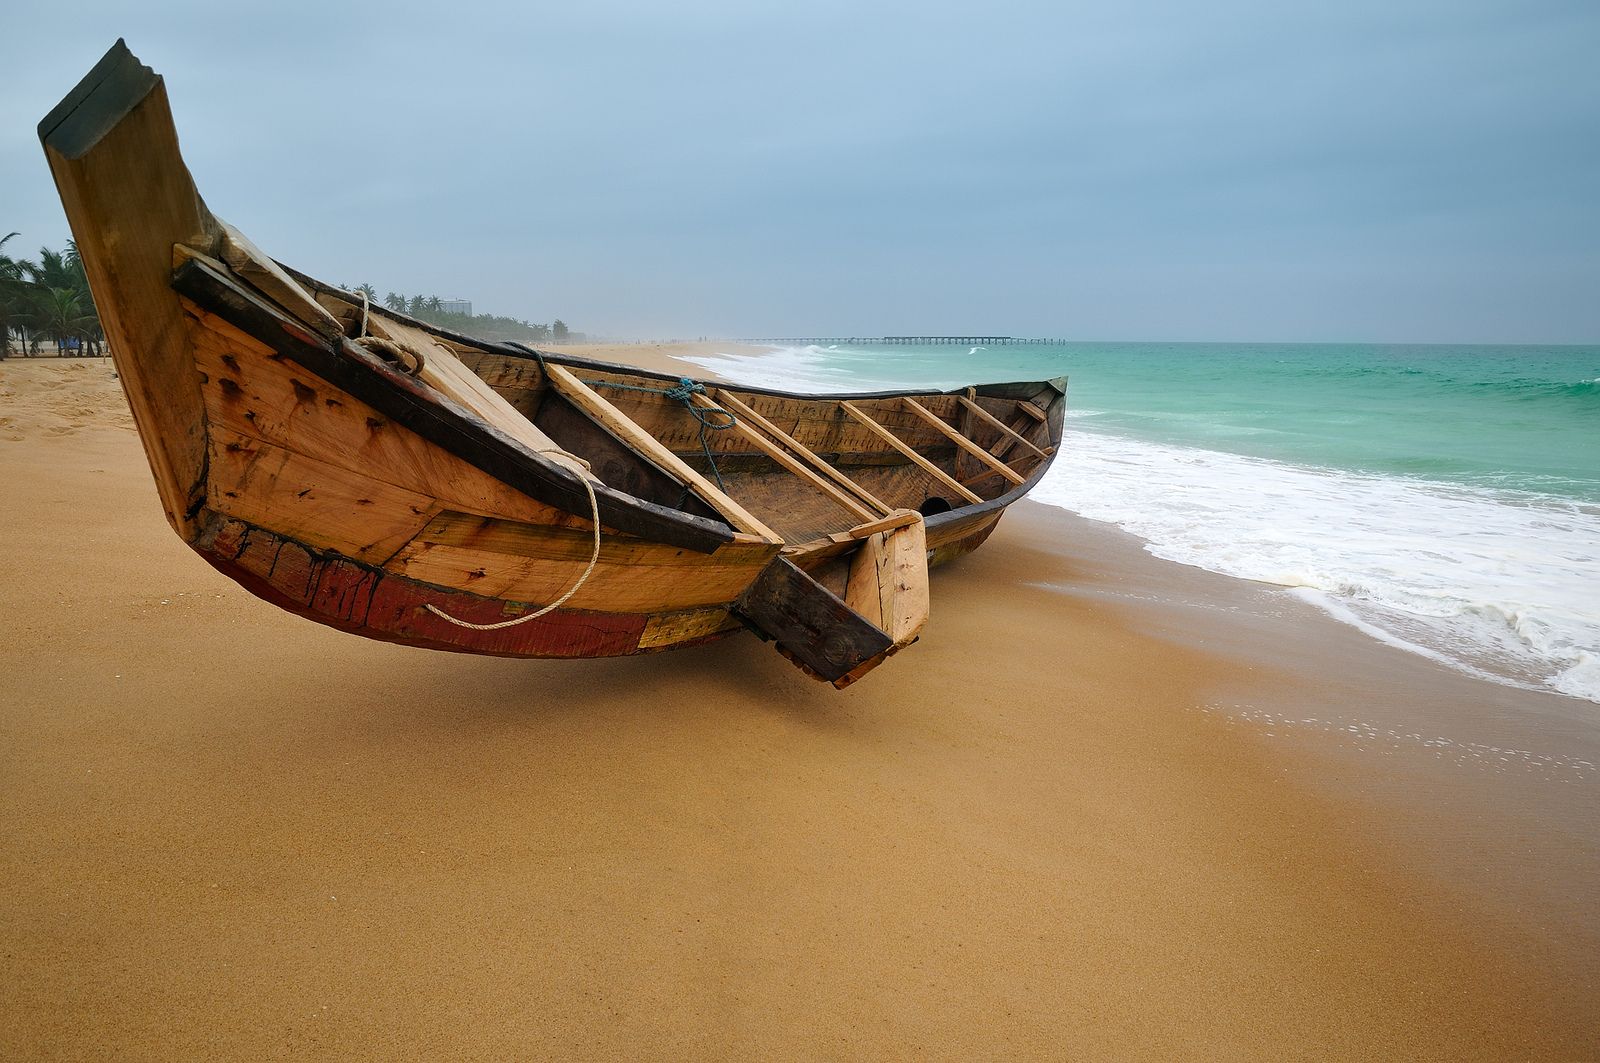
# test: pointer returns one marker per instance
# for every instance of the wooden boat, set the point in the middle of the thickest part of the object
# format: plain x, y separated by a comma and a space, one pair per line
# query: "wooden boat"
399, 481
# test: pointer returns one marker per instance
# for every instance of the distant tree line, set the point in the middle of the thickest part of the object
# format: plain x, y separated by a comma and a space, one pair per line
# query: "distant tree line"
47, 300
430, 308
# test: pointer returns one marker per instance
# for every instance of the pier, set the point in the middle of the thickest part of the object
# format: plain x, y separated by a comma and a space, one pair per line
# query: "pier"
909, 341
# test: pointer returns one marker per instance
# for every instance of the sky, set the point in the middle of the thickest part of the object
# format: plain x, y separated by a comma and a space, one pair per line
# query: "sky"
1399, 171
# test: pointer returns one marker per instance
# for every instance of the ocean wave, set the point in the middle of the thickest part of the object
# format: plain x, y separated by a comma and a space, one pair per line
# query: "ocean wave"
1485, 575
1487, 580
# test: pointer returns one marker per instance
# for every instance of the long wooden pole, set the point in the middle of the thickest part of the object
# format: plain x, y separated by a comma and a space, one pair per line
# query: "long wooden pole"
629, 431
1005, 429
730, 400
917, 459
962, 441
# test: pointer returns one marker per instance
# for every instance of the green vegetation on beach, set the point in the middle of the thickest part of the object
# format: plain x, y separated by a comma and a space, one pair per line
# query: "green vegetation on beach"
47, 300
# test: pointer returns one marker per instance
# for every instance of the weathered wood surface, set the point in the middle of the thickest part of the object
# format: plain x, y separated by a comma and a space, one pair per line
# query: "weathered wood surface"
888, 581
313, 502
128, 197
1010, 434
536, 563
809, 623
249, 390
898, 519
963, 442
747, 428
255, 268
614, 419
738, 406
441, 422
355, 597
916, 459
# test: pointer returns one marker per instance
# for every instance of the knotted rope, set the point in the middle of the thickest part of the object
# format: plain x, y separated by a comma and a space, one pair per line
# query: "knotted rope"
581, 467
390, 350
707, 417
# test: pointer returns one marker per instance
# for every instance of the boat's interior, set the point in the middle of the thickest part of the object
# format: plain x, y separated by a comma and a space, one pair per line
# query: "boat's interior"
783, 467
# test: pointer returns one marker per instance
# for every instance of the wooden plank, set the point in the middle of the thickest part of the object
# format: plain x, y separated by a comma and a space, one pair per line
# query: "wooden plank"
311, 501
898, 519
128, 197
616, 421
963, 442
441, 422
725, 397
666, 630
811, 625
917, 459
1005, 429
248, 391
743, 426
523, 562
353, 597
267, 277
443, 371
888, 581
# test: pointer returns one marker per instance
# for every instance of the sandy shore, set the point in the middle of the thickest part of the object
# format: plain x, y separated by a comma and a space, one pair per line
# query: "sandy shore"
1108, 808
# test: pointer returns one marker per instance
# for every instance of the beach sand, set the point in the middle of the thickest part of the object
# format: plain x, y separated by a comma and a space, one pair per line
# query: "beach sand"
1108, 808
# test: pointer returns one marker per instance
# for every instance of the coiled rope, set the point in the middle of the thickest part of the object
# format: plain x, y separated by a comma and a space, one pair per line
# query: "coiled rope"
581, 467
410, 360
707, 417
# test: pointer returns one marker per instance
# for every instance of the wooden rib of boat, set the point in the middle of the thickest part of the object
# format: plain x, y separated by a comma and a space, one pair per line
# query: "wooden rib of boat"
402, 482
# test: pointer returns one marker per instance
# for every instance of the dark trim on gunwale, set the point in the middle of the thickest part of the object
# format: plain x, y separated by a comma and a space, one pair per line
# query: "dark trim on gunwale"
438, 420
1016, 390
1005, 390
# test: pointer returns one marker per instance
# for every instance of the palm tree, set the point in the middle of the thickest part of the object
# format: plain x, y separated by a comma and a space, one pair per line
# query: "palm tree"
61, 315
368, 290
14, 297
395, 301
417, 305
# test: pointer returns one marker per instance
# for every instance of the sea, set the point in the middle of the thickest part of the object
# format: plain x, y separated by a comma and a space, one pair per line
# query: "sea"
1445, 499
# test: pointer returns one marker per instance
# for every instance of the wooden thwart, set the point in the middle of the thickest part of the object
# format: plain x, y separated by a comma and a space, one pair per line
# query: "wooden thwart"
732, 402
585, 398
1005, 429
743, 426
917, 459
962, 441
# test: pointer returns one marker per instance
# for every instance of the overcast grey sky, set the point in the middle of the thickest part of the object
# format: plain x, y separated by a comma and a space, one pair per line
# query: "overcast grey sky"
1407, 170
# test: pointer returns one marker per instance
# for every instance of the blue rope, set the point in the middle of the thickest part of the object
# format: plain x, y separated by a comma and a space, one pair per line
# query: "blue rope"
707, 417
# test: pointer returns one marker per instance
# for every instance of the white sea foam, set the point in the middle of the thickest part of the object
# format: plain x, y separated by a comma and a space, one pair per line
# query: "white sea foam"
1502, 584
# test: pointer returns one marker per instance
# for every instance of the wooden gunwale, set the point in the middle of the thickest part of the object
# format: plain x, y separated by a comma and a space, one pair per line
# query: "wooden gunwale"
438, 420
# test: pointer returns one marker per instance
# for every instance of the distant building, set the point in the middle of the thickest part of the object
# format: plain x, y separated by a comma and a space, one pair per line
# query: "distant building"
456, 306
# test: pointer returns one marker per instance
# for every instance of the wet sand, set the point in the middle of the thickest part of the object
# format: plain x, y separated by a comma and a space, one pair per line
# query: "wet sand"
1107, 808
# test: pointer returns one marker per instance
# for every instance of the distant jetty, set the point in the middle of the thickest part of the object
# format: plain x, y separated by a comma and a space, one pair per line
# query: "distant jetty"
910, 341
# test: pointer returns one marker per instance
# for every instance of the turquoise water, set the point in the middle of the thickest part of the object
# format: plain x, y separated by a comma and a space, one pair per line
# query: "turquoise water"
1526, 418
1445, 499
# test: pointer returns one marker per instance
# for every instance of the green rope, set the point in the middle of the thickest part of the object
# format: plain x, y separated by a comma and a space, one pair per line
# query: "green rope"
709, 418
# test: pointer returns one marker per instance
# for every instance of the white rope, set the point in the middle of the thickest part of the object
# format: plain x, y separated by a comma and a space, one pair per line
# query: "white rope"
581, 467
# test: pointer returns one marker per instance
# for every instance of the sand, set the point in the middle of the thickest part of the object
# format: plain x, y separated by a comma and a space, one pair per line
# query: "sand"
1079, 820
